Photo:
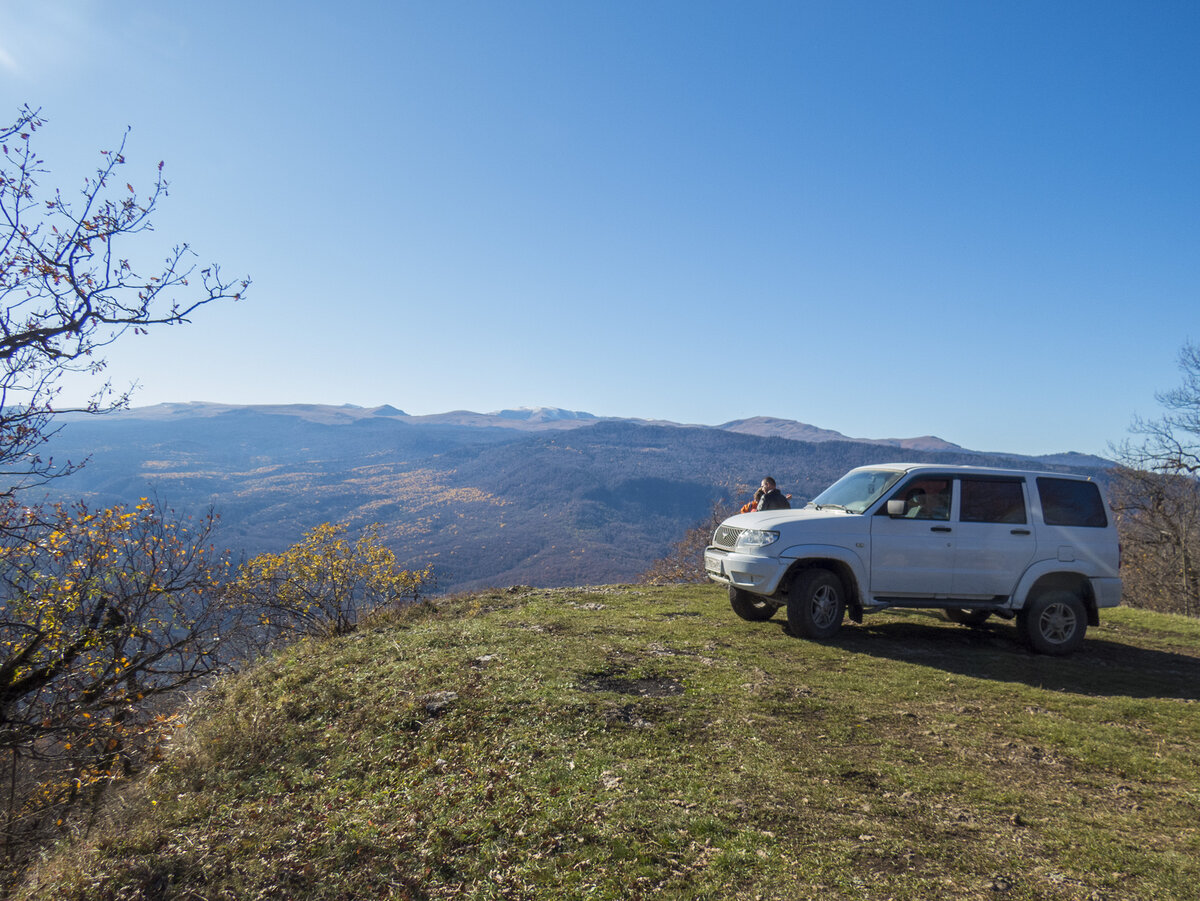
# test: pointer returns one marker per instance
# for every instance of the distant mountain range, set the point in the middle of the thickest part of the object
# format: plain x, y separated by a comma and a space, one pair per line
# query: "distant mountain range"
539, 496
769, 427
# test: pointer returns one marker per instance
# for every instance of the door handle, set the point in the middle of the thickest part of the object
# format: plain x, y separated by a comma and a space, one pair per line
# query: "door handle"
1021, 532
939, 529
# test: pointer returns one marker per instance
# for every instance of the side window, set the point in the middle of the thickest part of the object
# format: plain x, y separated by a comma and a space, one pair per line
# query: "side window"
1069, 502
993, 500
925, 499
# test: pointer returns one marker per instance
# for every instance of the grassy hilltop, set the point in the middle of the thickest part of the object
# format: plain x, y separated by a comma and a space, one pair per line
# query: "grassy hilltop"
632, 742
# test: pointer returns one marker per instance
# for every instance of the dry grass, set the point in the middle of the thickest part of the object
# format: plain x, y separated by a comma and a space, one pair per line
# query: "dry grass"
644, 742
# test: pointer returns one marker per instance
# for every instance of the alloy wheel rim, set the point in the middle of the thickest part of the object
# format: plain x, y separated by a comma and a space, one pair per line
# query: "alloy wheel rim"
824, 605
1058, 623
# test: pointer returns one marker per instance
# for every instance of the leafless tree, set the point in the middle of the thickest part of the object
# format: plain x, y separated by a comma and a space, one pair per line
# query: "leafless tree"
1159, 517
1156, 494
1171, 443
67, 292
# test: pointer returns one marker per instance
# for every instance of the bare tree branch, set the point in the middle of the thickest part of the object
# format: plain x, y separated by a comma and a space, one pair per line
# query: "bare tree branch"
66, 294
1156, 495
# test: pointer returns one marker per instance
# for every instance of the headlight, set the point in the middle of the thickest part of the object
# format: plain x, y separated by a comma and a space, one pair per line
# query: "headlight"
753, 539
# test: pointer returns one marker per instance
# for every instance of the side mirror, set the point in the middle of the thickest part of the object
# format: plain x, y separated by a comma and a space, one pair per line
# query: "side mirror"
895, 509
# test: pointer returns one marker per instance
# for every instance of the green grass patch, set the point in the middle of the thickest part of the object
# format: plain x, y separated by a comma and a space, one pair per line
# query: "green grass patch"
633, 742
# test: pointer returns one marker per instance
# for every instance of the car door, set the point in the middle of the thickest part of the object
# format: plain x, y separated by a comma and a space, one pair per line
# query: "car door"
994, 541
912, 555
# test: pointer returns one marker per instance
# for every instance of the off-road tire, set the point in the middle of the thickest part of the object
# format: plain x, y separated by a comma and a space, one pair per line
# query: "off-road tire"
1054, 622
750, 606
816, 604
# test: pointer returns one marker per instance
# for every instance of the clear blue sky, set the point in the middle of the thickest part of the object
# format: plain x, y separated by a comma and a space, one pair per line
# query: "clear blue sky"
971, 219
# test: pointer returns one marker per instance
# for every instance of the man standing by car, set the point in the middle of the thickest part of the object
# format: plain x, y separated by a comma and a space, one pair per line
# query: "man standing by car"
773, 498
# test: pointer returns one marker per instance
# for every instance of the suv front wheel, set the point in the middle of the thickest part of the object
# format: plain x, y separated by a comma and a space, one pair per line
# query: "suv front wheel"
816, 604
749, 606
1054, 622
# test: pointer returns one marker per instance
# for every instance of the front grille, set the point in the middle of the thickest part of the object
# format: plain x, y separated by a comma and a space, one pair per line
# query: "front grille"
726, 537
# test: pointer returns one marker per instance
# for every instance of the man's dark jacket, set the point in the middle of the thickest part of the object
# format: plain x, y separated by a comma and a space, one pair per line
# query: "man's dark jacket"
774, 500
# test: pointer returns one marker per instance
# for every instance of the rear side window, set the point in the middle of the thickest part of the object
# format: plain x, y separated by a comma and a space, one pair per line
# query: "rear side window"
993, 500
1068, 502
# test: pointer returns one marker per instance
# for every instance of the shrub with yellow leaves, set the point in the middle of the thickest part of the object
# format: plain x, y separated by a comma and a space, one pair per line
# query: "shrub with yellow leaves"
105, 616
325, 583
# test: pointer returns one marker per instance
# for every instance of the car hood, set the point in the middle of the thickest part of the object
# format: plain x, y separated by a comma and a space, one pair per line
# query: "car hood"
773, 519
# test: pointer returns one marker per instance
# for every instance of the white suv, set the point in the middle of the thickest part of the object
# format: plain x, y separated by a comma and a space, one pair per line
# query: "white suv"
967, 540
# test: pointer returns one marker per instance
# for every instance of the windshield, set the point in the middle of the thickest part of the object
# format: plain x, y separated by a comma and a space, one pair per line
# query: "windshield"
857, 490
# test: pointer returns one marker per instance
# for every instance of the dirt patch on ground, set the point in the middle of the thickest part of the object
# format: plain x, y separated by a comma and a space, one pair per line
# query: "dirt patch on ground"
654, 686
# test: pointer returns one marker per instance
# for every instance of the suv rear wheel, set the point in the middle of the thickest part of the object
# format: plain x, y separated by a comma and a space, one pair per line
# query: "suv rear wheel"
1054, 622
816, 604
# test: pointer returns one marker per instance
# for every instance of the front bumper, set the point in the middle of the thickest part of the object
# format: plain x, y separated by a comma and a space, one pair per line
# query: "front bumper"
758, 575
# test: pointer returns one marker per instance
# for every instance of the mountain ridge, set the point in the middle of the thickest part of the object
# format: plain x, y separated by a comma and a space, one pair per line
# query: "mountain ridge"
548, 418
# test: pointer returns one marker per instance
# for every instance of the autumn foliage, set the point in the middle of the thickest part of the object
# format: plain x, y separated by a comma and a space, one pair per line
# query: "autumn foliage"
105, 616
325, 583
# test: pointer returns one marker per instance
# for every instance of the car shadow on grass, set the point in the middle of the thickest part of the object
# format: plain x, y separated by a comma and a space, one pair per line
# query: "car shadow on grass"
1103, 666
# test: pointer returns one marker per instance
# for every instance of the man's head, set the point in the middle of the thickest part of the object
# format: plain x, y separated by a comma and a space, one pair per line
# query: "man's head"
768, 484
